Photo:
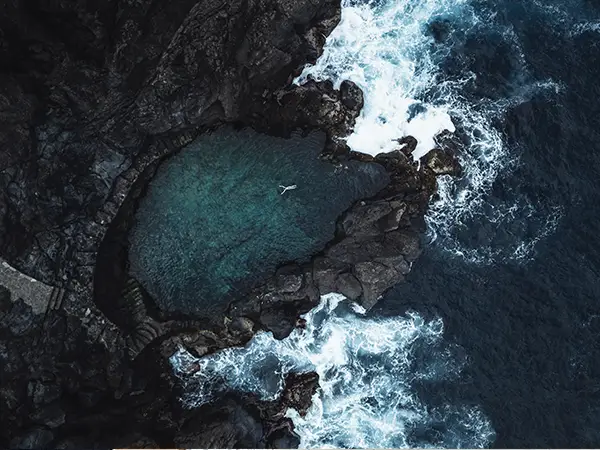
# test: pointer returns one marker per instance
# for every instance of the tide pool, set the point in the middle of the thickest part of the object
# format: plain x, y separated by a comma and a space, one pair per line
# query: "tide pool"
214, 220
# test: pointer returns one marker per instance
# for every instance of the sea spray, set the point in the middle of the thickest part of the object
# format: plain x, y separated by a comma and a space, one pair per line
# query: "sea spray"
389, 48
368, 369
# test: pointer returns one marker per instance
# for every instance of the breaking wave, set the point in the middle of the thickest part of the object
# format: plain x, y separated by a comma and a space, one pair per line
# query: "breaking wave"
409, 57
368, 371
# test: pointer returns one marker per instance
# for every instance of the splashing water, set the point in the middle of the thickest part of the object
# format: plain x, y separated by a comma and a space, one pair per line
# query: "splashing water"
374, 45
568, 16
367, 369
386, 47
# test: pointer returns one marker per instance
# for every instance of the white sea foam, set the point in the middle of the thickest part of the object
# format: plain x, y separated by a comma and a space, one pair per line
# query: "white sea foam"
581, 28
367, 368
380, 46
384, 47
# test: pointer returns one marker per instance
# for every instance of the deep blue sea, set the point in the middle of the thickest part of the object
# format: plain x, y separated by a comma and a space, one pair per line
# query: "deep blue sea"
530, 327
494, 340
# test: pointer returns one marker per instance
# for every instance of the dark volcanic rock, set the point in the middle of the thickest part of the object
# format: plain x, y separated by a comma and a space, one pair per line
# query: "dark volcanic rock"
289, 279
311, 105
19, 319
5, 301
299, 390
441, 163
243, 421
86, 110
93, 95
33, 439
349, 286
351, 95
408, 144
51, 416
229, 424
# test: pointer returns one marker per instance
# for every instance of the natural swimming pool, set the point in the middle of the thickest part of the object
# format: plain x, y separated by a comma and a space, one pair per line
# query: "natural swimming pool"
214, 220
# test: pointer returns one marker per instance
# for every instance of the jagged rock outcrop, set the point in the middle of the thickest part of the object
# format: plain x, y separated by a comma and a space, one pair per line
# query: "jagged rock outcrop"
376, 242
92, 96
249, 422
298, 391
441, 162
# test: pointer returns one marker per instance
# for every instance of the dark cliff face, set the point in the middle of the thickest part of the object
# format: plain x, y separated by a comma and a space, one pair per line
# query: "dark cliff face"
87, 87
92, 96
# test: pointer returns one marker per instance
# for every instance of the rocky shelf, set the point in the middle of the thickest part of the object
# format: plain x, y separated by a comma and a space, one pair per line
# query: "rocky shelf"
91, 115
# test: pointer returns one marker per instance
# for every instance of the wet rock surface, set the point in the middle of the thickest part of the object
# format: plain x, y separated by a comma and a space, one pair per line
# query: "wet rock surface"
376, 242
92, 97
441, 162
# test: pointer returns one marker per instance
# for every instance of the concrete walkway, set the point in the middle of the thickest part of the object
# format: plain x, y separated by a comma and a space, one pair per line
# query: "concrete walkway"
36, 294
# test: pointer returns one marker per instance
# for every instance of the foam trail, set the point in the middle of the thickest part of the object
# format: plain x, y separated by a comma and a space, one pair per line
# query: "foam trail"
368, 369
567, 16
374, 45
385, 47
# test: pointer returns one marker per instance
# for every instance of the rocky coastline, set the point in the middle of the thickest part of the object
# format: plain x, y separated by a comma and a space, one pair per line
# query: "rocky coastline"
88, 115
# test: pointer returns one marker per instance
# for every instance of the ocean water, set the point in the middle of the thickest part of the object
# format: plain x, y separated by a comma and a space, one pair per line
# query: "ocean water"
494, 340
432, 65
368, 372
529, 321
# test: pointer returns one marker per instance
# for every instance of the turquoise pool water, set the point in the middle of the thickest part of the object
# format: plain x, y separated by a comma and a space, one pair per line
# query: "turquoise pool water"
214, 221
